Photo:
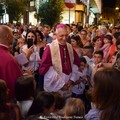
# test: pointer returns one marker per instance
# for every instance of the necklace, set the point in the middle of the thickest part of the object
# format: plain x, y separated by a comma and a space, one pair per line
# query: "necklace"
64, 54
65, 61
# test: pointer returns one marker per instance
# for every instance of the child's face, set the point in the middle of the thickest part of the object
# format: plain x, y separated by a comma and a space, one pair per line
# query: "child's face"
73, 42
82, 66
97, 58
113, 59
21, 42
106, 40
98, 42
16, 36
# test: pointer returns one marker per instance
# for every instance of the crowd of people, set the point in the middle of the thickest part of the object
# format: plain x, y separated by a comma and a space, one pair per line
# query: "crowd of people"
60, 72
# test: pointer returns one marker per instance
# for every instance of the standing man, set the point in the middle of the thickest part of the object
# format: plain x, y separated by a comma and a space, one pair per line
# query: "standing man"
9, 68
59, 63
46, 32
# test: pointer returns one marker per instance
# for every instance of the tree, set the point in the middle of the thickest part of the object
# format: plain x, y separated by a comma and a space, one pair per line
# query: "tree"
2, 11
15, 9
50, 11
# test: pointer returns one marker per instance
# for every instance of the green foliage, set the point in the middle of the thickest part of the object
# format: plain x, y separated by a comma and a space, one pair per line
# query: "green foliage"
15, 9
50, 11
1, 10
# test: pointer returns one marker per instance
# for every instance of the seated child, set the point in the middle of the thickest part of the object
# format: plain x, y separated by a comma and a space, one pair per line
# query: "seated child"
8, 110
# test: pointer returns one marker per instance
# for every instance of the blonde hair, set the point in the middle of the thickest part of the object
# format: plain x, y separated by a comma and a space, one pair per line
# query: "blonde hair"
74, 109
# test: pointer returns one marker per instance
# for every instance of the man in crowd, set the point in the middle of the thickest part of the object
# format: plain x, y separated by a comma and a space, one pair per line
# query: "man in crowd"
59, 63
46, 31
9, 68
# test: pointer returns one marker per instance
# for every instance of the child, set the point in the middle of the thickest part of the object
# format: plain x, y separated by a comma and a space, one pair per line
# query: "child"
20, 43
8, 110
106, 46
98, 59
79, 85
24, 91
97, 43
74, 109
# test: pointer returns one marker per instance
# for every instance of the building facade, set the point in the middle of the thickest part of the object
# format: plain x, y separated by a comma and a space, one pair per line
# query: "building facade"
85, 11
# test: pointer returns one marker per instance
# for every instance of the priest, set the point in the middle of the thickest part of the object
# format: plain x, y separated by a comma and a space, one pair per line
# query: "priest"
9, 68
59, 63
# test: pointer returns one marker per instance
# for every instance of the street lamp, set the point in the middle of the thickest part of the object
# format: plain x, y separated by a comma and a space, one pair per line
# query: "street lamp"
118, 15
117, 8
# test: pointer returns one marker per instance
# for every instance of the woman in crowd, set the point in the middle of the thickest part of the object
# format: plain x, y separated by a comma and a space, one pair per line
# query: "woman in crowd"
77, 44
113, 46
8, 110
42, 104
24, 91
106, 95
40, 43
31, 50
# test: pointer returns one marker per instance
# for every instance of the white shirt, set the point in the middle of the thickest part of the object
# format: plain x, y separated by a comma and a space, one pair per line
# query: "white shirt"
79, 88
24, 106
34, 59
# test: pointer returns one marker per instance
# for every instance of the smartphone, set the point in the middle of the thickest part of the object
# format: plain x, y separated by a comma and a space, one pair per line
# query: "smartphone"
29, 42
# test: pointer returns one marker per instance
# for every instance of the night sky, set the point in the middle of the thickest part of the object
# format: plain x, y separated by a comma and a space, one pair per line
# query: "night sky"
109, 3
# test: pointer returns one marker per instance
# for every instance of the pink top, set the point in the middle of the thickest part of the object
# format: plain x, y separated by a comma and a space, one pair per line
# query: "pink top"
106, 48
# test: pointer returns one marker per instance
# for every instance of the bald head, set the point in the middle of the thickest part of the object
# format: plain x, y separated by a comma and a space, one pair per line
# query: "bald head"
6, 35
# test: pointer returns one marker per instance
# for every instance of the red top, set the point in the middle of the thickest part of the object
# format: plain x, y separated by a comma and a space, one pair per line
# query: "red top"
112, 50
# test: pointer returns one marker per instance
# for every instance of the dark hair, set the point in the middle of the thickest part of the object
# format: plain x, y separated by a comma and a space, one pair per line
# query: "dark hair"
83, 30
4, 109
89, 47
95, 38
74, 25
31, 31
82, 59
3, 90
115, 53
77, 39
116, 35
40, 33
24, 87
106, 95
67, 25
43, 100
118, 42
100, 52
46, 26
59, 101
109, 37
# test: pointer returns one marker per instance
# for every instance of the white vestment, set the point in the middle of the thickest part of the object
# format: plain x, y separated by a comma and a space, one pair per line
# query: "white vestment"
54, 79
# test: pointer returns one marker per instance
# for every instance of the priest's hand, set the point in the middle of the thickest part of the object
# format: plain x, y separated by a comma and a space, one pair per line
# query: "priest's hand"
69, 83
65, 87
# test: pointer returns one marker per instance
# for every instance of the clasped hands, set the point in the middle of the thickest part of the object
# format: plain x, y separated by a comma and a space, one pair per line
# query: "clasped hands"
67, 85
